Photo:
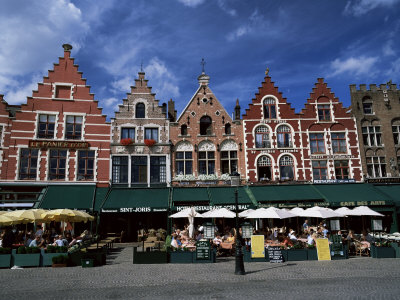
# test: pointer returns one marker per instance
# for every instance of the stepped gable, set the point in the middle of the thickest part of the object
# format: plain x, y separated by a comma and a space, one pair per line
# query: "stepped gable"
320, 94
268, 88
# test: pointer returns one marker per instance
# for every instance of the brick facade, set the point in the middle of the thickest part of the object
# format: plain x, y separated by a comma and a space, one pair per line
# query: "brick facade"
207, 143
60, 134
138, 164
277, 140
377, 111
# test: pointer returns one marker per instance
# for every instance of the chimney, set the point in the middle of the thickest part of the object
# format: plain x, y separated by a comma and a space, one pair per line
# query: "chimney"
237, 110
67, 47
171, 111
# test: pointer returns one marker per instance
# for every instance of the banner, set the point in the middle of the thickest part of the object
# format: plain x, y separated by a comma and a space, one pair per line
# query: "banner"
323, 249
257, 246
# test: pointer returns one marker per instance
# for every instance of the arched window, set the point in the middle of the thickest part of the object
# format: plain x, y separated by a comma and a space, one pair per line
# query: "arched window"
262, 137
284, 136
286, 167
205, 125
264, 166
269, 108
140, 111
184, 129
228, 128
396, 131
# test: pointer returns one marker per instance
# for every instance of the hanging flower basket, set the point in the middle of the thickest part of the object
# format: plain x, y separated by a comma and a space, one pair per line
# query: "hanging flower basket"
149, 142
126, 142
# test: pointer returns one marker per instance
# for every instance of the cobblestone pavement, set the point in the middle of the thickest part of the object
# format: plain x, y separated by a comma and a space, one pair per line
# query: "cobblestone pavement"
361, 278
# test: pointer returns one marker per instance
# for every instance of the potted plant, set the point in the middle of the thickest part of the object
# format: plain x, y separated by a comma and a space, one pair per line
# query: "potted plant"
181, 256
382, 250
150, 257
5, 257
312, 252
297, 253
59, 261
149, 142
50, 252
26, 256
126, 142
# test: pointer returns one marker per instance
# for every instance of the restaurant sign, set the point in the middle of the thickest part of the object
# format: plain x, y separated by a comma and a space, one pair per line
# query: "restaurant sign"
203, 250
324, 181
58, 144
384, 180
134, 210
210, 207
292, 205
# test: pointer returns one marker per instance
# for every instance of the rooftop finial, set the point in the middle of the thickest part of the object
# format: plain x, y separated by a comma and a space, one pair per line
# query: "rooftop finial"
141, 66
266, 72
203, 63
67, 47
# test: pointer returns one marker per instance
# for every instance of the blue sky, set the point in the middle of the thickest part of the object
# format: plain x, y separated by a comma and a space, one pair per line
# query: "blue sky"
343, 41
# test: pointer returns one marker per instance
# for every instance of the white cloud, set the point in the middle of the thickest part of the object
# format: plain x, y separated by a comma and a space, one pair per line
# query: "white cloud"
394, 71
388, 48
31, 37
360, 7
111, 103
353, 65
224, 7
191, 3
255, 20
17, 92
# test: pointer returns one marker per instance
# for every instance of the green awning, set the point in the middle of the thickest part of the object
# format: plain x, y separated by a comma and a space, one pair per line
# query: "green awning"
189, 194
101, 194
226, 196
390, 190
68, 196
136, 200
285, 193
353, 194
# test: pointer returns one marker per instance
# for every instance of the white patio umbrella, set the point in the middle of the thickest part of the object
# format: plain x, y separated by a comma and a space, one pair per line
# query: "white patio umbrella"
366, 211
245, 213
189, 213
345, 211
270, 213
219, 213
321, 212
297, 211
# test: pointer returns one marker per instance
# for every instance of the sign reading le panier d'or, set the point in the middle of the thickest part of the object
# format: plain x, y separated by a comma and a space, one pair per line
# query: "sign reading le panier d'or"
203, 250
58, 144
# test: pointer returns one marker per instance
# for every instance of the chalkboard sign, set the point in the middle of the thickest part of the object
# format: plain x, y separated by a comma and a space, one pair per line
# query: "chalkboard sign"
203, 250
275, 254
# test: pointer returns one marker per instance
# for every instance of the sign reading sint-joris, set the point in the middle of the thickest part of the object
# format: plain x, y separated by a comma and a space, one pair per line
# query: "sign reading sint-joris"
58, 144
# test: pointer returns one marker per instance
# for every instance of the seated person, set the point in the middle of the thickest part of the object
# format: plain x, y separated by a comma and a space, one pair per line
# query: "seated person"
60, 241
310, 239
199, 236
75, 240
287, 242
217, 240
37, 242
174, 242
231, 238
292, 235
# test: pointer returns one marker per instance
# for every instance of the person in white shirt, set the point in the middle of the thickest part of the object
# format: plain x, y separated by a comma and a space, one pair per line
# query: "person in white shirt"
292, 235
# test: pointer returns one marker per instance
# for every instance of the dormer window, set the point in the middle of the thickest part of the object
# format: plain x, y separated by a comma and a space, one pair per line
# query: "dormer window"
269, 108
205, 125
140, 111
324, 112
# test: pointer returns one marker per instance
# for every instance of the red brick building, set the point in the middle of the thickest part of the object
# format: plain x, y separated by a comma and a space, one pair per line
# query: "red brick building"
207, 143
320, 143
60, 134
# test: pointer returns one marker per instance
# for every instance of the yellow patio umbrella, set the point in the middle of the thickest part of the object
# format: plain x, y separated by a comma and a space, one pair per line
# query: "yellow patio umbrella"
59, 215
7, 220
82, 216
26, 216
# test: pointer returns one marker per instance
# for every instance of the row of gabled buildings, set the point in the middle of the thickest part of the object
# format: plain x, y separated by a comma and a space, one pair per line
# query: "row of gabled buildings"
60, 137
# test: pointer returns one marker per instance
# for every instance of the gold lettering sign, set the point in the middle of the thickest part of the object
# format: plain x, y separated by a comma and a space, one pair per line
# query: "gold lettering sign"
58, 144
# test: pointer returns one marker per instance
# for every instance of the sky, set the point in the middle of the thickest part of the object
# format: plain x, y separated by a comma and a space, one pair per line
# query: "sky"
345, 42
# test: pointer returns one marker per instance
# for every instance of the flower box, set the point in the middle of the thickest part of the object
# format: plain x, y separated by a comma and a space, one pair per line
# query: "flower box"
47, 258
247, 256
181, 257
149, 142
297, 254
312, 254
126, 142
396, 248
382, 252
154, 257
26, 260
5, 260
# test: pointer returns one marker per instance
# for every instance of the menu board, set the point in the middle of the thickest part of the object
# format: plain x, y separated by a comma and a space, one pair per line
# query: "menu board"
203, 250
335, 225
275, 254
257, 246
323, 249
377, 225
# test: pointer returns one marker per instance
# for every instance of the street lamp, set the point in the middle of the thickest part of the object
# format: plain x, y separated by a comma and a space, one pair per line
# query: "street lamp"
239, 265
209, 231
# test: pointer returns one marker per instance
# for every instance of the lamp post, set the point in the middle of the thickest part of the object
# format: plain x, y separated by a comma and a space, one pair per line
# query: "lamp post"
239, 265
